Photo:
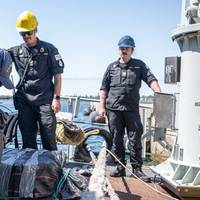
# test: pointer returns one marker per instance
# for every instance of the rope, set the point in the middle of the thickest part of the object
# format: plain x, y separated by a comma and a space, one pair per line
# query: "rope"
111, 192
152, 188
4, 198
98, 178
61, 182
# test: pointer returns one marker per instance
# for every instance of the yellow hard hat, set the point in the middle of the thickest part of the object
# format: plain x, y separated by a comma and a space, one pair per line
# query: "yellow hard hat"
27, 21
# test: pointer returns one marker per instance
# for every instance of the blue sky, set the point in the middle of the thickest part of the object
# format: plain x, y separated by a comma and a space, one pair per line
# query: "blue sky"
87, 32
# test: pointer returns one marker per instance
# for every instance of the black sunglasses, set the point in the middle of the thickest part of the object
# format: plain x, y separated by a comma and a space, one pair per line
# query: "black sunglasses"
29, 33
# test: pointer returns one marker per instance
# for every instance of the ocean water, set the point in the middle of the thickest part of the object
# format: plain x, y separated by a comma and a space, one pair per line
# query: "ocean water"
70, 86
82, 121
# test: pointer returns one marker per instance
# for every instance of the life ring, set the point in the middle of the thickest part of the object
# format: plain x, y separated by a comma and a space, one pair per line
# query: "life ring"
81, 152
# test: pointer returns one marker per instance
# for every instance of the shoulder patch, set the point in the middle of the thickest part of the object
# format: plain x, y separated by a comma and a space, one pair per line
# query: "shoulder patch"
61, 64
58, 57
41, 49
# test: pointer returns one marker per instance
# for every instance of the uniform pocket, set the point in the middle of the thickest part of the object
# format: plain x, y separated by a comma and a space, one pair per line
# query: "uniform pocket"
131, 79
111, 102
115, 77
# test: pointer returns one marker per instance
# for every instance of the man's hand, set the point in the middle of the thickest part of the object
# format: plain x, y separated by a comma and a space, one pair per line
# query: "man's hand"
56, 105
103, 96
102, 112
57, 88
155, 86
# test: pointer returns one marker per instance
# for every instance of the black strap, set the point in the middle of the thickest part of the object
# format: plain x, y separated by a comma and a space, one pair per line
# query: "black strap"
22, 78
25, 71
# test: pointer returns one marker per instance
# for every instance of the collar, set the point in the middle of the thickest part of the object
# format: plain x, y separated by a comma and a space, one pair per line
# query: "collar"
36, 46
124, 65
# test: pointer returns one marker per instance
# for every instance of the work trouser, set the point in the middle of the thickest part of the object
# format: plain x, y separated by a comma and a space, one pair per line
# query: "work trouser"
29, 117
118, 121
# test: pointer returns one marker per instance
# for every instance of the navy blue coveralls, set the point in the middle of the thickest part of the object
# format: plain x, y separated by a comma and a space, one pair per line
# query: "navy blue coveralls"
123, 81
34, 96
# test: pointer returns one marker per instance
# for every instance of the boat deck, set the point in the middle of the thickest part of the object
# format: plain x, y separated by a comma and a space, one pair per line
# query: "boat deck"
129, 188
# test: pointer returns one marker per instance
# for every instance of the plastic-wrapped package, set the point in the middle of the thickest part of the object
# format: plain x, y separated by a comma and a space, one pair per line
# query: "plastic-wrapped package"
74, 185
30, 173
6, 165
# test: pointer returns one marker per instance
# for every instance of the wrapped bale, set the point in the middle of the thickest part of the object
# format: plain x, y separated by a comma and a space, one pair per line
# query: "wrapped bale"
29, 173
5, 119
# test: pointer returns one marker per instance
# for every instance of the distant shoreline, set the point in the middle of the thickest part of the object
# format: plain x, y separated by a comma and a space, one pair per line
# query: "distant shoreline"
6, 97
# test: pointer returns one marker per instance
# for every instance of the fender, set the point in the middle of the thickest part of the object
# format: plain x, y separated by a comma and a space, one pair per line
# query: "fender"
81, 152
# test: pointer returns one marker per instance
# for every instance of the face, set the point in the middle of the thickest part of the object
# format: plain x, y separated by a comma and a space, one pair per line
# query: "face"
29, 37
125, 53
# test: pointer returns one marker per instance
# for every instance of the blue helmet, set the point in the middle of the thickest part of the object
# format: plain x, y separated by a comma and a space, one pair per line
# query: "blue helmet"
126, 41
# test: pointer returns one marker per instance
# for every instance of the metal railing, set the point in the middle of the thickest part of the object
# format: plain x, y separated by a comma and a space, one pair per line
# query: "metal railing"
73, 104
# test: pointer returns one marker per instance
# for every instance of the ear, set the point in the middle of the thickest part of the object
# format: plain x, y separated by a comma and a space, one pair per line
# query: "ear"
35, 31
132, 50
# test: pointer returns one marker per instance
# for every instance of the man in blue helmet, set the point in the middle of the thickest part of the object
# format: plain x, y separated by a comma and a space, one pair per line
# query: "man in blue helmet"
119, 99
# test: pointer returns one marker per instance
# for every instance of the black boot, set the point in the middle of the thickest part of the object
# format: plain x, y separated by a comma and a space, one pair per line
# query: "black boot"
118, 172
137, 170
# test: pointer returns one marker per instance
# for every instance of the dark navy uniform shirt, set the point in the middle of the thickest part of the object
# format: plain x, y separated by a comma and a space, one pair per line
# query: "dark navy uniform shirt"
43, 62
123, 81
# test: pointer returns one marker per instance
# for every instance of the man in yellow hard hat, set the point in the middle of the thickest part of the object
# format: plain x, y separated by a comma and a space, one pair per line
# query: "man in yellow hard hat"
37, 99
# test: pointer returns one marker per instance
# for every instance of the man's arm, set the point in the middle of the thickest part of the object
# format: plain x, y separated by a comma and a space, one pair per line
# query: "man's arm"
57, 89
102, 105
155, 86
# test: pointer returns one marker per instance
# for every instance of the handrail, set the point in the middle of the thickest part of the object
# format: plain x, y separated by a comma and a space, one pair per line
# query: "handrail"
74, 104
78, 99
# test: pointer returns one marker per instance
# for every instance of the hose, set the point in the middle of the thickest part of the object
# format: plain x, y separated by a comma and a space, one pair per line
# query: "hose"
61, 182
81, 150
